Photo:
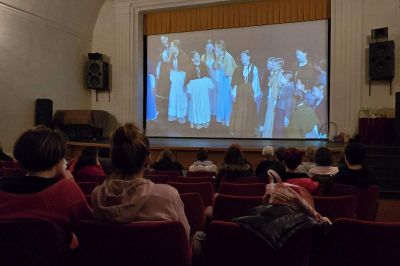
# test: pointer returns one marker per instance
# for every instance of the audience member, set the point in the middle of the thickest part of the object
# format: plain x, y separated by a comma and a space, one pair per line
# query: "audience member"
40, 194
203, 164
268, 162
354, 174
166, 162
87, 165
4, 156
126, 196
324, 161
237, 145
292, 159
309, 160
234, 165
279, 154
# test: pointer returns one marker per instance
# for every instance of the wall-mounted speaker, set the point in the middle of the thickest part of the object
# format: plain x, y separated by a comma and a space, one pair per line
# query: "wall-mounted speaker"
381, 60
397, 118
44, 112
97, 72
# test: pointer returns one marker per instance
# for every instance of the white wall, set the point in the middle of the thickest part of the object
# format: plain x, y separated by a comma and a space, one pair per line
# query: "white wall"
104, 42
351, 22
43, 50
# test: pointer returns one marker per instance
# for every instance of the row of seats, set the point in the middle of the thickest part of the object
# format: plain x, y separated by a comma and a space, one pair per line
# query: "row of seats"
202, 205
348, 242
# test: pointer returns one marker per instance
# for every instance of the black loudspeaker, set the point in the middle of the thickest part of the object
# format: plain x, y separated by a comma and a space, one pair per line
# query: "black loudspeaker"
397, 119
381, 60
44, 112
397, 107
97, 72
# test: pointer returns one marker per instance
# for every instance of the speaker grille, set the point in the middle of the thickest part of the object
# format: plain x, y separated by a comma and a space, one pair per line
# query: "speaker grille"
97, 74
381, 60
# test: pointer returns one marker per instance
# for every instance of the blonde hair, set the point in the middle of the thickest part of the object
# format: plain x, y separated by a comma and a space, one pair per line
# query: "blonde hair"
268, 152
309, 155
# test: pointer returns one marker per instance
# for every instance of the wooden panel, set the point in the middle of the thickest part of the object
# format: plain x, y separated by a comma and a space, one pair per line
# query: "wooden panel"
313, 7
235, 15
293, 10
306, 10
276, 12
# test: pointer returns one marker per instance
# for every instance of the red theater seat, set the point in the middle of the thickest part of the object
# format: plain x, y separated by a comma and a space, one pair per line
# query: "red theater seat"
99, 179
33, 242
336, 207
134, 244
182, 179
200, 174
245, 179
171, 174
367, 199
205, 189
158, 179
87, 187
360, 243
194, 211
251, 189
228, 207
228, 243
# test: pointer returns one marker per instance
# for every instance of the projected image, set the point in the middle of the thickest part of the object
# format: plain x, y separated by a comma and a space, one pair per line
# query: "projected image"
256, 82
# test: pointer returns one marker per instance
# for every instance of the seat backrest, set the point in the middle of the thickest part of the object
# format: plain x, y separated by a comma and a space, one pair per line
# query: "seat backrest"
227, 207
336, 207
134, 244
359, 243
228, 243
235, 189
205, 189
171, 174
194, 211
33, 242
87, 187
99, 179
367, 199
158, 179
200, 174
182, 179
325, 181
367, 205
246, 179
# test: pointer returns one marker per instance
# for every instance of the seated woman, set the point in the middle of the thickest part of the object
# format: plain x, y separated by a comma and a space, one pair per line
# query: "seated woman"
309, 160
234, 165
87, 167
41, 194
324, 161
202, 164
128, 197
355, 173
166, 162
267, 162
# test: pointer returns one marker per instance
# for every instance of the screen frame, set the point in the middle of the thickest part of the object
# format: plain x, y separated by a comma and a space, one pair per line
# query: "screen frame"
328, 123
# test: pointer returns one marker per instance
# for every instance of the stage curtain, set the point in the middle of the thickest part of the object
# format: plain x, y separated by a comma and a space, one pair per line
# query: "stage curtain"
234, 15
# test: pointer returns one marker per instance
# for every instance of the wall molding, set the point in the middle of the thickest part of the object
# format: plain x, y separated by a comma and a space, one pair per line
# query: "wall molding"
42, 20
